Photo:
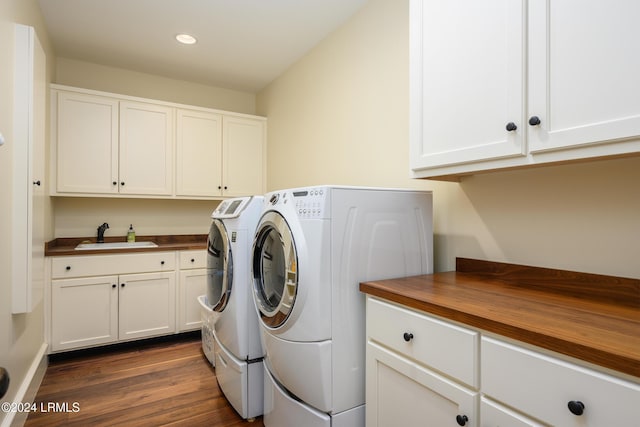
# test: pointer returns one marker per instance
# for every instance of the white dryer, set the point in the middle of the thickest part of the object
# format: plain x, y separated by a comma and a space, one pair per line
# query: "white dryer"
312, 248
238, 352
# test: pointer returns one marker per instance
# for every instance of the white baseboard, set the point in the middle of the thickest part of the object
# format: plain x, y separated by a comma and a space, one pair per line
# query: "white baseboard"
28, 388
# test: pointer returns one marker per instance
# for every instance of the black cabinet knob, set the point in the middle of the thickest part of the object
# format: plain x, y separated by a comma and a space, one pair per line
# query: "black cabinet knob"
193, 260
225, 187
122, 285
462, 420
115, 182
161, 262
36, 183
576, 407
219, 187
68, 268
122, 183
114, 285
511, 126
408, 336
534, 120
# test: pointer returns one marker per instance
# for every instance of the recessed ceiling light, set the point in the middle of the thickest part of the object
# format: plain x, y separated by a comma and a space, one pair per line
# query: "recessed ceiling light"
186, 39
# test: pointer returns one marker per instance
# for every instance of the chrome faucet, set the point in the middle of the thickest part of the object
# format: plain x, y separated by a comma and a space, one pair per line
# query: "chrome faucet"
101, 231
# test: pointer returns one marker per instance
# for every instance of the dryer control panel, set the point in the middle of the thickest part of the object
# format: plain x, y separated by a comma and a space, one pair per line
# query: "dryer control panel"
310, 203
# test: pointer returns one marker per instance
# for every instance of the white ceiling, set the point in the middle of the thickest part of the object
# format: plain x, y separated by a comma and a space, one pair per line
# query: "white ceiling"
242, 44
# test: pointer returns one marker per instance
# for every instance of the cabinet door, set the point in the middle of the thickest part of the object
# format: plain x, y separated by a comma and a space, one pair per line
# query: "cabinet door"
147, 305
87, 144
467, 81
199, 154
493, 414
191, 285
244, 154
583, 79
84, 312
146, 149
29, 121
400, 392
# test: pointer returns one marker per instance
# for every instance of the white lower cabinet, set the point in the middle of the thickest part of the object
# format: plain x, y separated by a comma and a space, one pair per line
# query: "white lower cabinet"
554, 391
425, 370
84, 312
102, 299
410, 381
401, 392
146, 305
493, 414
192, 282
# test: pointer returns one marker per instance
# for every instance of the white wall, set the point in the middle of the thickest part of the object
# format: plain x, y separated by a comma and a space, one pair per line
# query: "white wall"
340, 115
21, 335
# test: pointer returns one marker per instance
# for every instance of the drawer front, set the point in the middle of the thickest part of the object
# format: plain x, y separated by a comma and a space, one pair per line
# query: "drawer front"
542, 387
447, 348
192, 259
99, 265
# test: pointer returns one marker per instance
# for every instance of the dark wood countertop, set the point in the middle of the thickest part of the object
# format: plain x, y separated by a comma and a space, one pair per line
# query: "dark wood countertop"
64, 246
591, 317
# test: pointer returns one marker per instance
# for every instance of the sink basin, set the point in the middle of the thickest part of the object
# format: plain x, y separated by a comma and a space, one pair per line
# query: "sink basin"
115, 245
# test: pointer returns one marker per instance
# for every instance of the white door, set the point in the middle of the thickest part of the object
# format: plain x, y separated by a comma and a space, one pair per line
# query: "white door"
84, 312
467, 81
146, 149
87, 144
192, 284
584, 68
401, 392
244, 156
147, 305
198, 154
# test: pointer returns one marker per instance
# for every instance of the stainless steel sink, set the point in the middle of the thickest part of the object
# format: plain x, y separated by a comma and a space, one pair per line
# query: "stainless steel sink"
115, 245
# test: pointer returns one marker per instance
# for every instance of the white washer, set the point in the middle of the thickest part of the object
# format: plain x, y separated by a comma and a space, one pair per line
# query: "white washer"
312, 248
238, 352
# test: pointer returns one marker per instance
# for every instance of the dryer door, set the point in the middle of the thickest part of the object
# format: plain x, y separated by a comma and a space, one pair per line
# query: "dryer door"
275, 277
219, 266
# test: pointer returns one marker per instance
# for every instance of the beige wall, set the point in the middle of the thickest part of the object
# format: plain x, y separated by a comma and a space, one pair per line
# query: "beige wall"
21, 335
80, 217
88, 75
340, 115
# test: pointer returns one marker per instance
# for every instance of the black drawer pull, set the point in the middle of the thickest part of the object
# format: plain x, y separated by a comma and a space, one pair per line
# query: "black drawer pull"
408, 336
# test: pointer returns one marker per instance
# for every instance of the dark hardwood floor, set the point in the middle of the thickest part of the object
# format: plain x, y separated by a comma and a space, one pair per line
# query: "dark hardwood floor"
165, 382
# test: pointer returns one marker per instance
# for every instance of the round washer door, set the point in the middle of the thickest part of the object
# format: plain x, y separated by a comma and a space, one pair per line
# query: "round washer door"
275, 269
219, 266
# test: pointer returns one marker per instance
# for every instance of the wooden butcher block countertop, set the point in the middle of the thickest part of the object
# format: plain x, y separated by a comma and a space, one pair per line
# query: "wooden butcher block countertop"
591, 317
65, 246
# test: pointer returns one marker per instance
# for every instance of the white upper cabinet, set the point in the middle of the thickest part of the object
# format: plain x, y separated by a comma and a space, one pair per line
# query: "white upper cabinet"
87, 143
466, 82
199, 153
244, 156
113, 145
510, 83
583, 76
146, 148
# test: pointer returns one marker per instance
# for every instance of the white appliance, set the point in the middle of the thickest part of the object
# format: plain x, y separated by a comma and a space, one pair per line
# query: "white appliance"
312, 248
238, 352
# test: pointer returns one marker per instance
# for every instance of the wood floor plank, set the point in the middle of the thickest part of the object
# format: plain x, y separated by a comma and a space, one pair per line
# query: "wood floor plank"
157, 383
